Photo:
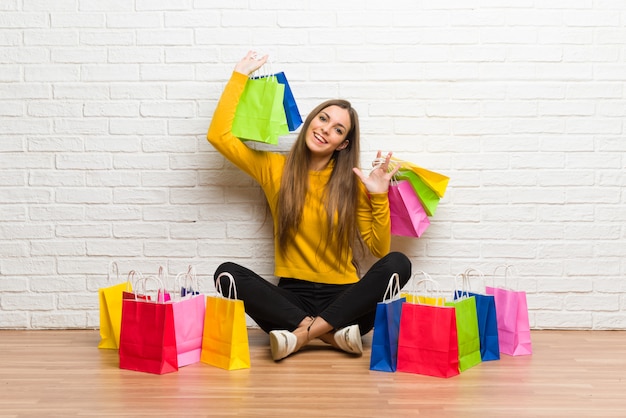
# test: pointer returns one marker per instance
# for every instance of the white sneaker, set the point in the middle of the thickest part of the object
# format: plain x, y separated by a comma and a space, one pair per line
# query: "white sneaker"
349, 339
282, 343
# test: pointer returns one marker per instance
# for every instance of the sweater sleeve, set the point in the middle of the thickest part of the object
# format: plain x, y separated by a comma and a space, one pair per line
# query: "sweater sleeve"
375, 222
220, 136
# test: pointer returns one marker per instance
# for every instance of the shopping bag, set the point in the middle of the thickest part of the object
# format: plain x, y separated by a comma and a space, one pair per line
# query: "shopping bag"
294, 119
467, 329
426, 196
512, 314
424, 291
384, 353
437, 182
225, 337
428, 341
487, 318
260, 115
110, 302
147, 337
189, 311
408, 217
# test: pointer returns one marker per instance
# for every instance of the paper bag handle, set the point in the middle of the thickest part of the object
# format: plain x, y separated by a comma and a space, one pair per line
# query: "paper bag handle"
143, 281
507, 268
465, 286
132, 279
433, 291
232, 289
393, 288
184, 278
412, 284
113, 268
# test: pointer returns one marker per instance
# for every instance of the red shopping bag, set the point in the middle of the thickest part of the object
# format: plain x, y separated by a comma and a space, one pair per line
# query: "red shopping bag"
428, 341
408, 217
147, 337
512, 315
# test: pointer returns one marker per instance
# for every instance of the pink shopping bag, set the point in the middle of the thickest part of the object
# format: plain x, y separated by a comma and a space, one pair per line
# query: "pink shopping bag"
189, 311
512, 316
408, 217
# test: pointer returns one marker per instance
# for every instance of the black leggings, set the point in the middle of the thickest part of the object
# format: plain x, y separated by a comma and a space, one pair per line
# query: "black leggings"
286, 305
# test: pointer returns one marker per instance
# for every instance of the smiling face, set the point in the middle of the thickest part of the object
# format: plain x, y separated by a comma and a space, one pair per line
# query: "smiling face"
327, 132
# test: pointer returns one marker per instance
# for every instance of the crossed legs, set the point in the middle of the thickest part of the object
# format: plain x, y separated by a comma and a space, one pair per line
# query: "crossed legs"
300, 312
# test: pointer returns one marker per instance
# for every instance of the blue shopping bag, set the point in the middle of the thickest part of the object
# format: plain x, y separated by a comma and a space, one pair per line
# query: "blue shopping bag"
294, 119
384, 354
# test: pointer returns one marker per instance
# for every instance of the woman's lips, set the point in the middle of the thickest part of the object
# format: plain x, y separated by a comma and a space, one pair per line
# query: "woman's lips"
319, 138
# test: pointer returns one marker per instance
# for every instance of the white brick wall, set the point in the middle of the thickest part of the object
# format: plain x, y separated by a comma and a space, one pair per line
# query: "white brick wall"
104, 105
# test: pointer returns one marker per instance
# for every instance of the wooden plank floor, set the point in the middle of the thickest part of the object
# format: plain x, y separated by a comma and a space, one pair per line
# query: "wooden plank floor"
62, 373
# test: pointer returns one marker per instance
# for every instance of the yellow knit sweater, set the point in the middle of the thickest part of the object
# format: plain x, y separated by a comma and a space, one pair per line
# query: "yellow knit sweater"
308, 258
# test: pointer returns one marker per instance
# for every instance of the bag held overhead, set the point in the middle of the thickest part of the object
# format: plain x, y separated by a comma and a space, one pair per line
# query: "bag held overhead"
260, 115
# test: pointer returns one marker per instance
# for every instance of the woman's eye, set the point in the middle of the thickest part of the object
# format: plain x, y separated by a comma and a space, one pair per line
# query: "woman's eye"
322, 118
339, 131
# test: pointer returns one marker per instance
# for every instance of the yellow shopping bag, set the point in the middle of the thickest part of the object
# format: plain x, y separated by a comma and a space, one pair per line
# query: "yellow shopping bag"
423, 292
436, 182
110, 301
225, 337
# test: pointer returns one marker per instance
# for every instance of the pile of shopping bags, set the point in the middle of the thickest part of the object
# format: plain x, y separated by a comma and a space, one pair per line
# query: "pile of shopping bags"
266, 110
419, 330
156, 330
414, 194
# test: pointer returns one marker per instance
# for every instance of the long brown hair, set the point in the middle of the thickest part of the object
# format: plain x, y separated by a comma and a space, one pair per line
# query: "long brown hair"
341, 192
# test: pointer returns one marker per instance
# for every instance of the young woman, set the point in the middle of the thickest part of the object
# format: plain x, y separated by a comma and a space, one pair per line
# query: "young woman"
325, 209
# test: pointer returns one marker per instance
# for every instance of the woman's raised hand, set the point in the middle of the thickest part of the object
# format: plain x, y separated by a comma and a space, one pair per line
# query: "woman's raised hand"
380, 176
250, 63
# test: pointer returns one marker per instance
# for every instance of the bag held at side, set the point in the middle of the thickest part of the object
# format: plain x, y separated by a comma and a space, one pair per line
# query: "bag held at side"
408, 217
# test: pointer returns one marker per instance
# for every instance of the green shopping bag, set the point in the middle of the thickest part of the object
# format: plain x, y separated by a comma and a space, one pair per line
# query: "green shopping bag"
427, 197
467, 331
260, 115
437, 182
